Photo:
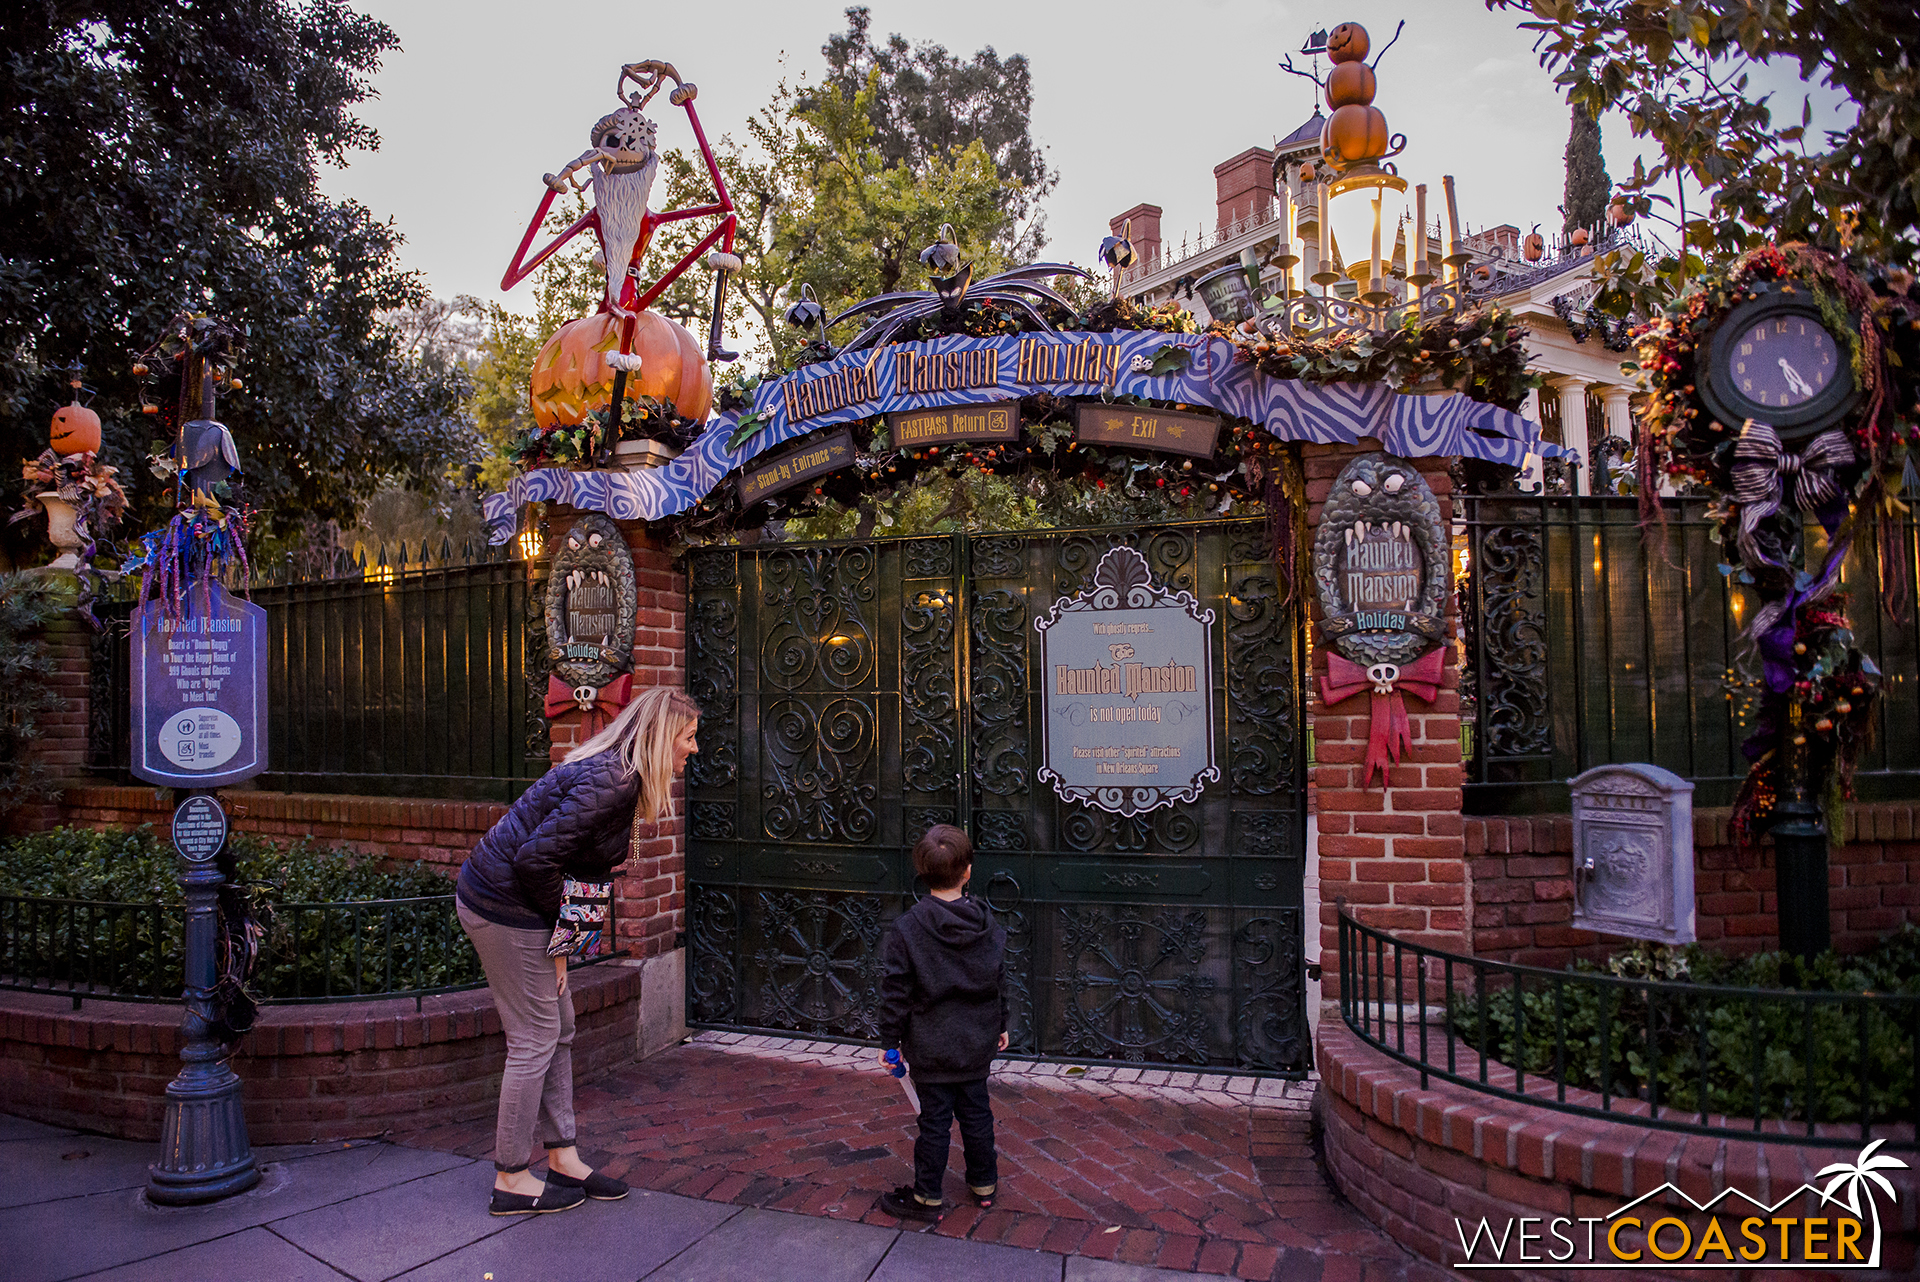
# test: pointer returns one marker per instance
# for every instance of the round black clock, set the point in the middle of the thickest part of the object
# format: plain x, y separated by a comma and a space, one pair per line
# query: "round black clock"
1774, 359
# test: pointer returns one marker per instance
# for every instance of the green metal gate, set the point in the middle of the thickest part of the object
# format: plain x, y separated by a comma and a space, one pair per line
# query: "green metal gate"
856, 694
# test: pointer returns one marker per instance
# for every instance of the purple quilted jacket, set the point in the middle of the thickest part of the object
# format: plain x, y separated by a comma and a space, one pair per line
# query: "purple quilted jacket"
575, 822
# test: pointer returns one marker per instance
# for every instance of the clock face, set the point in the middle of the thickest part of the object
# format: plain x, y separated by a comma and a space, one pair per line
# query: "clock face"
1784, 361
1773, 359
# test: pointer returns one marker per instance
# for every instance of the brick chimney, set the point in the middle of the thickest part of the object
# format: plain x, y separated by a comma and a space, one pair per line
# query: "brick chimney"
1146, 230
1244, 186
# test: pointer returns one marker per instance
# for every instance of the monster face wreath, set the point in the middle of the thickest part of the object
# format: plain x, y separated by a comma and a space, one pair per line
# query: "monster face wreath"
1379, 566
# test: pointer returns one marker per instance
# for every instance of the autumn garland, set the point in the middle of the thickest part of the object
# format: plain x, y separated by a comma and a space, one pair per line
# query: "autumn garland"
1800, 638
1480, 353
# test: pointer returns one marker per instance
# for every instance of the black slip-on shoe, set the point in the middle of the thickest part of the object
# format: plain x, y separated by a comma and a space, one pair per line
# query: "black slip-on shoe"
984, 1200
551, 1199
601, 1188
903, 1205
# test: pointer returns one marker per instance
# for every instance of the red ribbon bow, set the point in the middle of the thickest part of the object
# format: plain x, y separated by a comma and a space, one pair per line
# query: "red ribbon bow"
1389, 734
601, 706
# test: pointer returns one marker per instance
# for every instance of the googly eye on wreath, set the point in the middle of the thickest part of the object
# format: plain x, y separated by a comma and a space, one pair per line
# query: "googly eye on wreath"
1362, 488
573, 543
1393, 483
594, 540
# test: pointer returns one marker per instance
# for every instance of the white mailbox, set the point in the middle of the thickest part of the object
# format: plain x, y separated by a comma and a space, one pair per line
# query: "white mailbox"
1633, 853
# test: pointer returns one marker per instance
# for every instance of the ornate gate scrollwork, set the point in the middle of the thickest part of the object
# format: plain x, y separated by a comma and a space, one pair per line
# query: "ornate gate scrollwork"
856, 695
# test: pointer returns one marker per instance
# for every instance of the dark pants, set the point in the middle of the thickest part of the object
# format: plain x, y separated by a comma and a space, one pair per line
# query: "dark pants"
940, 1104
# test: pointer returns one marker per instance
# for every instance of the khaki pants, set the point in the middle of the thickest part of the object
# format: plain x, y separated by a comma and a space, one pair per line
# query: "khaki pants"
537, 1087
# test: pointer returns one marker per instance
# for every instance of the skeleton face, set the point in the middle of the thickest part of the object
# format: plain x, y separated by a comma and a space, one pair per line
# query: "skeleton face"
626, 136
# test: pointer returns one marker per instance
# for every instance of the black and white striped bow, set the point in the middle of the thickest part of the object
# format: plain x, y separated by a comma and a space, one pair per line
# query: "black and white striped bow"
1761, 469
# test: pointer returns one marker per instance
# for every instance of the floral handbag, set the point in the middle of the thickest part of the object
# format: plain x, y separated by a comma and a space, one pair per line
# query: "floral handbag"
586, 919
585, 928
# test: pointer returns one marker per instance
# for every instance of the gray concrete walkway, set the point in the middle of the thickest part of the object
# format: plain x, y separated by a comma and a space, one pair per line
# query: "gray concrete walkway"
72, 1206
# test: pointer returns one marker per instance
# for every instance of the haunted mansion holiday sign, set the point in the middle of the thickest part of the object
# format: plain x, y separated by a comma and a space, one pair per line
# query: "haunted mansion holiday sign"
200, 691
1380, 569
1128, 674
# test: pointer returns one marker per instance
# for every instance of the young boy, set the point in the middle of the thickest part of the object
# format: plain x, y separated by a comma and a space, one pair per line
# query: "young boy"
943, 1005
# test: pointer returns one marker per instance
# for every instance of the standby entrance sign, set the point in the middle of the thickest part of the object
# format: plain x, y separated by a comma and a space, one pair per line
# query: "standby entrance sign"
199, 691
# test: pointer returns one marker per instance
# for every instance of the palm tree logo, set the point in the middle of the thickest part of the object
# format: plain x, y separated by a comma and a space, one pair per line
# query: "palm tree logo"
1855, 1177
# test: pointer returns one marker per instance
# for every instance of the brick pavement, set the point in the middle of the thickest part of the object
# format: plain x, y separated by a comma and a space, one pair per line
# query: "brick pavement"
1199, 1172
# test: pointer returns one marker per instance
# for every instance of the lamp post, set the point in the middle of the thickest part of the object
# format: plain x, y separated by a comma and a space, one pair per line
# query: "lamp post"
199, 721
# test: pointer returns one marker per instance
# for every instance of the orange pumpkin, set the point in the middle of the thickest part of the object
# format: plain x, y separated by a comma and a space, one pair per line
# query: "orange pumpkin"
571, 376
1348, 43
1354, 134
76, 430
1351, 84
1579, 236
1619, 213
1536, 247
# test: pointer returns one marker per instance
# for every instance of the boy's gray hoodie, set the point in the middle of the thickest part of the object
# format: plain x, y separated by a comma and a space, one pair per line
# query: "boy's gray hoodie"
943, 996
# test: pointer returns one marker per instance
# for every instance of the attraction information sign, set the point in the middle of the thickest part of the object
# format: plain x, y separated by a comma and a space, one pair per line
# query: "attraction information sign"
816, 458
200, 691
1127, 671
199, 827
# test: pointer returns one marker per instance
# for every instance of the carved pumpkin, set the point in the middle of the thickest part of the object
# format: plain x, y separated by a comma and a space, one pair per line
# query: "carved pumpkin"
1619, 213
1354, 134
1307, 171
1578, 236
1351, 84
76, 430
571, 376
1535, 245
1348, 43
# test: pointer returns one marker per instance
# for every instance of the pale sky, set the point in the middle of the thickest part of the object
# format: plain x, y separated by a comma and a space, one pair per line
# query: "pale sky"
1133, 102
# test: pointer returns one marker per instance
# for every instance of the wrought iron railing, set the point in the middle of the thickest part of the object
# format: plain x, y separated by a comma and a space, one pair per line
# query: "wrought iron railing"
412, 674
1584, 648
348, 951
1823, 1068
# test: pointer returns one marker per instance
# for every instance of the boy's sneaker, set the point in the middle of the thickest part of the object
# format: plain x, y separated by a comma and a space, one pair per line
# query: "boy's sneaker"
984, 1199
902, 1204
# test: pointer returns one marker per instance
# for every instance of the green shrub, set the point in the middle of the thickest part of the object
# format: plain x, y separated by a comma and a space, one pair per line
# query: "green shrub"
139, 866
1759, 1053
26, 604
309, 953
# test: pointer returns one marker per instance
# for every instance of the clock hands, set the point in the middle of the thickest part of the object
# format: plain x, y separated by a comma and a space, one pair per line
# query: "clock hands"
1794, 381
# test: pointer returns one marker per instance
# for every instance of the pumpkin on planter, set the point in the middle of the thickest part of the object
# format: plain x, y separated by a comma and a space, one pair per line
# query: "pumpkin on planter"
76, 430
1354, 134
571, 375
1348, 43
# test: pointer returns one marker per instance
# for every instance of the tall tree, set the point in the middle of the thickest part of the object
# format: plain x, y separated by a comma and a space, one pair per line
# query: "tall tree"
167, 155
1588, 185
1681, 72
927, 103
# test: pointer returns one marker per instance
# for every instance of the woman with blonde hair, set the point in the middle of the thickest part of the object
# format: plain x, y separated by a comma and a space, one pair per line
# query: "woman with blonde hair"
577, 821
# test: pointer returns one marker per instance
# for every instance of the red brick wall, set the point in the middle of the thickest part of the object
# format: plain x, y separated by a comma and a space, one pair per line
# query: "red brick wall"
309, 1072
651, 894
1521, 884
1395, 854
62, 746
1413, 1159
433, 832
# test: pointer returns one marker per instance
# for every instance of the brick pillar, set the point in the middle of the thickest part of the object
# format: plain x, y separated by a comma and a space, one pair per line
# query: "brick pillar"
1395, 854
651, 893
62, 746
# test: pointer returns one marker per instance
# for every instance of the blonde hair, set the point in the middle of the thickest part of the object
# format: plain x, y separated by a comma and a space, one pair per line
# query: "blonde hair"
643, 735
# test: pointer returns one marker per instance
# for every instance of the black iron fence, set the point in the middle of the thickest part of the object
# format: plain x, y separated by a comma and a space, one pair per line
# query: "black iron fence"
1584, 648
345, 951
1823, 1068
409, 675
